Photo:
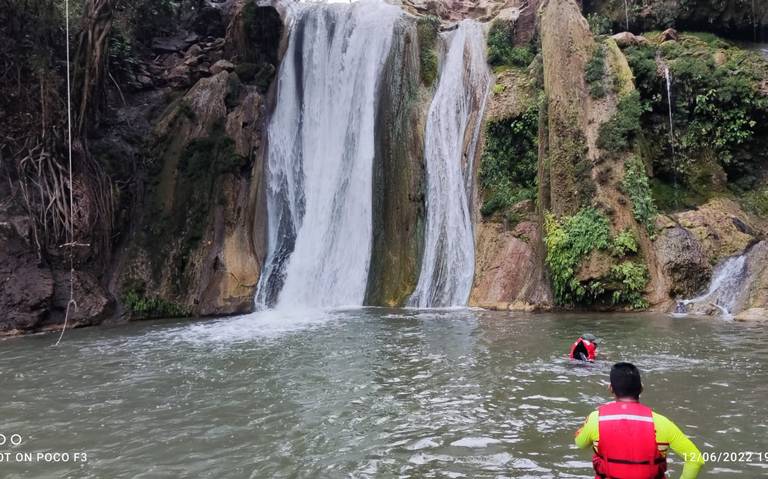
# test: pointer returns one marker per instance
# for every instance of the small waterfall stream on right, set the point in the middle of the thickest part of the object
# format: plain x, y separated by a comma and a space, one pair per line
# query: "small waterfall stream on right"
724, 289
448, 262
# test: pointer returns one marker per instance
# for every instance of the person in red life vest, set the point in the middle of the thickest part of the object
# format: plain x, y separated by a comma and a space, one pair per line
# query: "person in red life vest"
629, 439
585, 348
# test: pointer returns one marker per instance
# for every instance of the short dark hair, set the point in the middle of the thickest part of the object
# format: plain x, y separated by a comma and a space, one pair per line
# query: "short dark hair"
625, 380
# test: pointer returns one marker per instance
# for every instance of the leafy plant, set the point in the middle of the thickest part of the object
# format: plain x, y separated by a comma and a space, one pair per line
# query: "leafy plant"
635, 185
502, 51
624, 244
632, 277
599, 24
508, 165
568, 242
719, 112
571, 240
143, 306
594, 73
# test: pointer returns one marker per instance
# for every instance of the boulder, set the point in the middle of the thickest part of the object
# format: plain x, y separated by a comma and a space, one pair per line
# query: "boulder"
220, 66
683, 262
721, 226
670, 34
179, 77
628, 39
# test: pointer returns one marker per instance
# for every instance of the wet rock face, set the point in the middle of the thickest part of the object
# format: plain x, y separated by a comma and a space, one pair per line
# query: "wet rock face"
683, 262
26, 286
509, 267
398, 174
567, 45
200, 244
721, 227
756, 280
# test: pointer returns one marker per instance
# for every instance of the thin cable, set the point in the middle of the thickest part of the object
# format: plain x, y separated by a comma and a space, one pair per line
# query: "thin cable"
71, 241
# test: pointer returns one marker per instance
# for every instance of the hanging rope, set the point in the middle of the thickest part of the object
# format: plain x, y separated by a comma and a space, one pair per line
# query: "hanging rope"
71, 240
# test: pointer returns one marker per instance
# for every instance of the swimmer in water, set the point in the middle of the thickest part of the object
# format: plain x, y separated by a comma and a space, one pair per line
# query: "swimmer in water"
585, 348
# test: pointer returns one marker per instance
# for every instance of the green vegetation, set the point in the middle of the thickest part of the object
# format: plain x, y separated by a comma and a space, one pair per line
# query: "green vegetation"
260, 74
121, 55
619, 132
599, 24
624, 244
427, 28
720, 116
631, 278
571, 240
145, 18
756, 201
508, 166
142, 306
502, 51
635, 185
594, 73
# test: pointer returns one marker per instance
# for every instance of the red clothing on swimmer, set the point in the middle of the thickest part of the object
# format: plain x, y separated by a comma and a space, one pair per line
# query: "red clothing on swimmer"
585, 348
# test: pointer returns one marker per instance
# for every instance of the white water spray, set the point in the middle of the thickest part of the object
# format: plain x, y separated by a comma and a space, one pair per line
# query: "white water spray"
725, 287
448, 262
320, 155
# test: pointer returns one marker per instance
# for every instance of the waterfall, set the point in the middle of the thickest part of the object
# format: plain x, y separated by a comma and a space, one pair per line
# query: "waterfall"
725, 287
626, 12
320, 141
668, 79
448, 261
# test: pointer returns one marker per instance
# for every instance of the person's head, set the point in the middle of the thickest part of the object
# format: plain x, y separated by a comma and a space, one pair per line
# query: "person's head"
590, 337
625, 381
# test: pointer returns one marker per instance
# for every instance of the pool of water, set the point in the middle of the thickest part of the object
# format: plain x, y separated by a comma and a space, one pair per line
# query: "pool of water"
368, 393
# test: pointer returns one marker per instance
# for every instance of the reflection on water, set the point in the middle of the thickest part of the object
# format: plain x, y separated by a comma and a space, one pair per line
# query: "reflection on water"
371, 393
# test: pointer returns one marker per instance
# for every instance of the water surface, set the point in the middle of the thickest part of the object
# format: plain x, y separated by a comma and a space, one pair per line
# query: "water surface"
368, 393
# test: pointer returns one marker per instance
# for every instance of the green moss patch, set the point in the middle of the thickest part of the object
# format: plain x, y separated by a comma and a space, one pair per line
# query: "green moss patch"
594, 73
619, 133
427, 28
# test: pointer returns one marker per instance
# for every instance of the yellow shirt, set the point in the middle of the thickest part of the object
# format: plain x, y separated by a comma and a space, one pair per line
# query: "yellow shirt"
667, 432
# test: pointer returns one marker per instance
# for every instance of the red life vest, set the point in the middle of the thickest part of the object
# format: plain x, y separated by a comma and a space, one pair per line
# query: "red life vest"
627, 447
589, 346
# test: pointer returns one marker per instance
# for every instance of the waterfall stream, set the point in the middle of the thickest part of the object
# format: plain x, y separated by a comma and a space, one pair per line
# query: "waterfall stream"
451, 136
668, 80
320, 154
724, 289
